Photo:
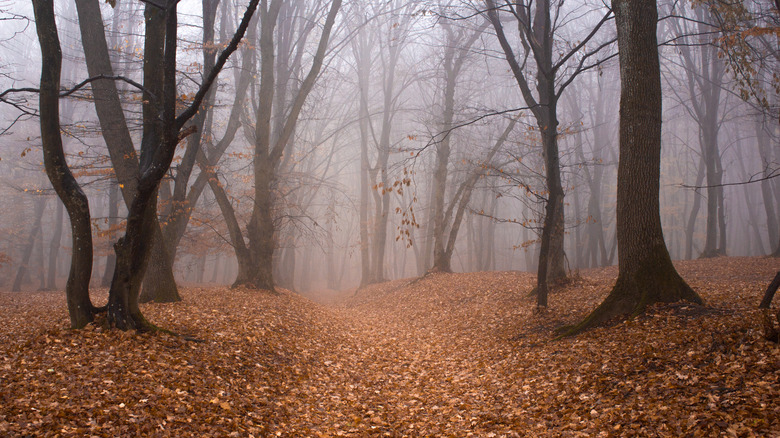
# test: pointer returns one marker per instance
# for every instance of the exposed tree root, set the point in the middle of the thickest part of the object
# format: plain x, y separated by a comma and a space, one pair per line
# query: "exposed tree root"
632, 294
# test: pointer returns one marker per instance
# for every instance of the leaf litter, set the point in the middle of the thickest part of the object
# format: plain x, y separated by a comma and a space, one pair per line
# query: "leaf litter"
446, 355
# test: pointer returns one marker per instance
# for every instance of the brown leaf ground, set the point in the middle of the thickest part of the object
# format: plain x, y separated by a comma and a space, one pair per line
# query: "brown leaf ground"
448, 355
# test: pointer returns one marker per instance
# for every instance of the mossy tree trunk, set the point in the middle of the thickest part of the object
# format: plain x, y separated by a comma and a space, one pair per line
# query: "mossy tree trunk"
646, 274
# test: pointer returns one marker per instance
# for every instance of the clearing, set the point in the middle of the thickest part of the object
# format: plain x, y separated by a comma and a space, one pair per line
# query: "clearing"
448, 355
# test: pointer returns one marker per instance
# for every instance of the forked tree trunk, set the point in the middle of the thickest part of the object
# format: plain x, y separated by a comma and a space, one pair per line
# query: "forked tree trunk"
646, 273
157, 152
109, 110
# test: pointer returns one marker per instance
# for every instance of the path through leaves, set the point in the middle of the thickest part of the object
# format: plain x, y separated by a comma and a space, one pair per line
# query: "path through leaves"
447, 355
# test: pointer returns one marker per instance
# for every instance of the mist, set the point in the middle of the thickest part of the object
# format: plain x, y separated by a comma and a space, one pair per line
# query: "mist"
410, 148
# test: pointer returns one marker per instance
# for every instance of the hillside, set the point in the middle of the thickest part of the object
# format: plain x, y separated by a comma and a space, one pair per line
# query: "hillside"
445, 355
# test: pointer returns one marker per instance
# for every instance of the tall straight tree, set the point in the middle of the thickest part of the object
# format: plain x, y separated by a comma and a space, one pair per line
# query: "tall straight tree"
378, 48
646, 273
537, 23
704, 74
458, 45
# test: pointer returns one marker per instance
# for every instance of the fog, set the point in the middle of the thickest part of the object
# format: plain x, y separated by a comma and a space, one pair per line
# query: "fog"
415, 127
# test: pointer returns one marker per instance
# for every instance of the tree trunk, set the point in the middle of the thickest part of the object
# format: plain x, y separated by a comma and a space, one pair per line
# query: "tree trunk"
24, 267
113, 221
762, 141
109, 109
159, 284
646, 273
691, 227
157, 151
261, 228
54, 248
80, 308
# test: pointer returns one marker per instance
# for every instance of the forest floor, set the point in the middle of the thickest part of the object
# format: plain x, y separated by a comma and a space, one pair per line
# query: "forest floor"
447, 355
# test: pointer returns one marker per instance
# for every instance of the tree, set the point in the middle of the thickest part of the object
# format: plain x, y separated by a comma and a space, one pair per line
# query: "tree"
646, 274
114, 127
157, 150
457, 47
255, 259
23, 271
80, 308
379, 54
748, 43
537, 31
704, 73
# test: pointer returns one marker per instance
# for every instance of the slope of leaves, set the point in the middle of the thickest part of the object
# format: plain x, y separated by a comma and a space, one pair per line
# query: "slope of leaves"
445, 355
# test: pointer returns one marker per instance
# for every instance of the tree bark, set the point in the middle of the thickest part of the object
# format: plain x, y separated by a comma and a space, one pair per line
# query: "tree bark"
113, 221
646, 273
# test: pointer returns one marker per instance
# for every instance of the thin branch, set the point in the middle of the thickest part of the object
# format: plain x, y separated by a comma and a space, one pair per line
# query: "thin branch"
774, 174
79, 86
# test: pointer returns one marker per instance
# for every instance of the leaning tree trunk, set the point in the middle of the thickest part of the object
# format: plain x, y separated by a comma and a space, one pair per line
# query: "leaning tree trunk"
646, 273
80, 308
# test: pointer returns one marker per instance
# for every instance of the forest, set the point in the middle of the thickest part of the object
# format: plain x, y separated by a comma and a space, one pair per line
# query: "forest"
389, 218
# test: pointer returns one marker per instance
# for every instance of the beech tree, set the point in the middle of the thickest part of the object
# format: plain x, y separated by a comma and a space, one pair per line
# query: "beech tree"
255, 259
80, 307
537, 23
646, 274
113, 123
458, 44
162, 129
704, 75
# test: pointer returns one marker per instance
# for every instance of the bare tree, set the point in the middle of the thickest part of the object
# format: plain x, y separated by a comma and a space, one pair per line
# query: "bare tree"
255, 259
704, 73
80, 308
537, 23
